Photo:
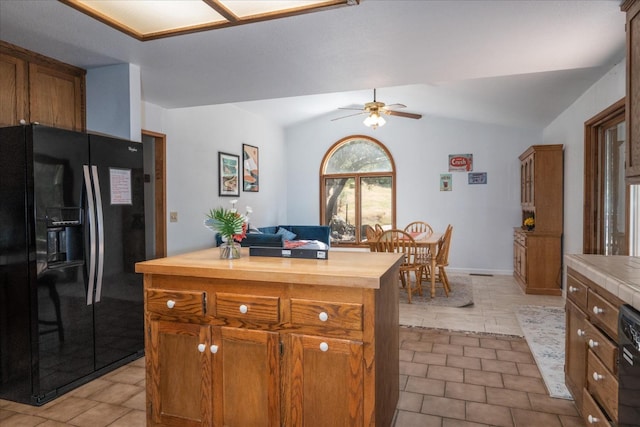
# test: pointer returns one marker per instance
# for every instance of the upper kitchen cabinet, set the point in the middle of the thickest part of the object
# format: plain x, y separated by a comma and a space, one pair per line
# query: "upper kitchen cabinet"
632, 8
541, 186
35, 88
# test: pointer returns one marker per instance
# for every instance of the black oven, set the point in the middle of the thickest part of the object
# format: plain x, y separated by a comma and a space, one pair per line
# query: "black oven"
629, 367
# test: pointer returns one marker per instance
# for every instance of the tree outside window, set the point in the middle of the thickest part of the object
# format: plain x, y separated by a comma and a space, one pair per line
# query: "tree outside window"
357, 188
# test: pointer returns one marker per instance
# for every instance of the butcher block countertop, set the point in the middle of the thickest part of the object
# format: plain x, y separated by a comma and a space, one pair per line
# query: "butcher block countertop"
618, 274
352, 269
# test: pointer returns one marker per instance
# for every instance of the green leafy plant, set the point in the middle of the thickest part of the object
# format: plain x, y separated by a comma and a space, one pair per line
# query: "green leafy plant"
231, 224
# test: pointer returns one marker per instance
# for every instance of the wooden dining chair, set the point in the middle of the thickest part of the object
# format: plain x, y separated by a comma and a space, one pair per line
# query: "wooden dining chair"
442, 261
399, 241
379, 229
416, 228
372, 238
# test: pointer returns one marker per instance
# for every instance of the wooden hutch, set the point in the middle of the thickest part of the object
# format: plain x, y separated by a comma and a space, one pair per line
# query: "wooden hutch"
537, 253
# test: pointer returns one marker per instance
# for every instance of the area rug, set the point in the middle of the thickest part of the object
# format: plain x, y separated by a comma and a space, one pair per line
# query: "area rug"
544, 330
461, 294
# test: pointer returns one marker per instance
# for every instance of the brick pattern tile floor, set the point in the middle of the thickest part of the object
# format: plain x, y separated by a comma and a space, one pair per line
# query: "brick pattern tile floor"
474, 379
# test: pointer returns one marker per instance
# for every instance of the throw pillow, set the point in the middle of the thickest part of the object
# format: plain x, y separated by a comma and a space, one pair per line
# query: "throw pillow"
286, 234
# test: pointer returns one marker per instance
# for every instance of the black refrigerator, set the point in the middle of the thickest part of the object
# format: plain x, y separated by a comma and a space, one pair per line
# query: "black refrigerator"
71, 230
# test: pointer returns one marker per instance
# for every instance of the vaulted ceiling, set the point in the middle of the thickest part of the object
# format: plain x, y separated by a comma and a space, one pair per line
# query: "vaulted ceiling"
516, 63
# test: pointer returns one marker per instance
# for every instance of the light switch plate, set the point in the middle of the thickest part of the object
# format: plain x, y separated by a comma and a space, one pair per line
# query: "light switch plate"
173, 216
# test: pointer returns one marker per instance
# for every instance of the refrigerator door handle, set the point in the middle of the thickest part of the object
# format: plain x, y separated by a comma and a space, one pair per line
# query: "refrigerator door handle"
96, 184
92, 234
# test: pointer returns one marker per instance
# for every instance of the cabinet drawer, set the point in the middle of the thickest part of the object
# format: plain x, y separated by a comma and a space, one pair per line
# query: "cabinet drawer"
603, 313
248, 307
603, 385
591, 412
520, 238
190, 303
327, 314
603, 347
577, 292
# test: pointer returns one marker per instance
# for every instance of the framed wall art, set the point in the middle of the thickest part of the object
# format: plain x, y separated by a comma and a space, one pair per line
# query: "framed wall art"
477, 177
460, 162
250, 172
228, 174
445, 182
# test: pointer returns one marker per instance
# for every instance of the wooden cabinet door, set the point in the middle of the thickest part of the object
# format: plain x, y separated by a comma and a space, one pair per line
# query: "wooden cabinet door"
326, 382
56, 97
13, 90
246, 378
632, 112
179, 381
575, 352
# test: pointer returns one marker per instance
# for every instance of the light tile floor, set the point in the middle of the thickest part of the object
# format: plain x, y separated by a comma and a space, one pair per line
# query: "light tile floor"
495, 298
447, 378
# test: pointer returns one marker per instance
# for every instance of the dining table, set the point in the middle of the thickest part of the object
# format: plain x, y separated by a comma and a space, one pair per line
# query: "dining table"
429, 241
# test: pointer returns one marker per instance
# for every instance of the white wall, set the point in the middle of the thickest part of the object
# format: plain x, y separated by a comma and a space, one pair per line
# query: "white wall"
194, 138
568, 129
483, 216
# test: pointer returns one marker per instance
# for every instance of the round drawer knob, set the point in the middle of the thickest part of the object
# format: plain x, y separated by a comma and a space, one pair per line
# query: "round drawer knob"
592, 419
597, 310
244, 309
323, 316
213, 349
581, 333
171, 303
202, 348
593, 343
324, 346
597, 376
573, 289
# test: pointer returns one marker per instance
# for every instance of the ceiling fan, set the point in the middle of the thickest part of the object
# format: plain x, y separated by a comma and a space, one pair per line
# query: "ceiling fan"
375, 110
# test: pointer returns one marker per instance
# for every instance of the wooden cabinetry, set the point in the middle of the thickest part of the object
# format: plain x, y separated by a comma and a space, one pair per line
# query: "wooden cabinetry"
591, 371
632, 109
271, 342
35, 88
537, 259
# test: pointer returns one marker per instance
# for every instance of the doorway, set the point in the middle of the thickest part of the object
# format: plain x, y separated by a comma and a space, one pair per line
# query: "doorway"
606, 211
155, 168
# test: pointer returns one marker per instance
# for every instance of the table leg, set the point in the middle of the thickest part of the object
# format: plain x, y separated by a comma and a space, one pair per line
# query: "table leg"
433, 270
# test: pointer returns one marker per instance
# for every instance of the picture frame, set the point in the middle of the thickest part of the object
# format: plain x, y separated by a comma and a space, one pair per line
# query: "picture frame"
446, 182
460, 162
228, 174
250, 169
477, 177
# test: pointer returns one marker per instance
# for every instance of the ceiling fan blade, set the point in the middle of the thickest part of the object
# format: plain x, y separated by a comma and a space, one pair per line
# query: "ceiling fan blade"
351, 108
396, 106
402, 114
349, 115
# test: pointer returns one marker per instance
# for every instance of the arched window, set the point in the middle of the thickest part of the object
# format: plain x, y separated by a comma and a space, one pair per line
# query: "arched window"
357, 186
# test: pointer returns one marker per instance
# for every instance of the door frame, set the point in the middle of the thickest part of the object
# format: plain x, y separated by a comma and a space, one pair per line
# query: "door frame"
160, 195
593, 197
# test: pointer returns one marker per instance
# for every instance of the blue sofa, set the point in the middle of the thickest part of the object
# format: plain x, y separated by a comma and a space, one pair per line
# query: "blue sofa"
269, 236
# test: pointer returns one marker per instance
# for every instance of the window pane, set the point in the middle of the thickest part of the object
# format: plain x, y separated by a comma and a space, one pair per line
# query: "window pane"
358, 155
614, 215
340, 205
376, 201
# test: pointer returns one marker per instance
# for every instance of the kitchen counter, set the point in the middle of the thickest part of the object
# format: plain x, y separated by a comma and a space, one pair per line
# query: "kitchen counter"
355, 269
619, 275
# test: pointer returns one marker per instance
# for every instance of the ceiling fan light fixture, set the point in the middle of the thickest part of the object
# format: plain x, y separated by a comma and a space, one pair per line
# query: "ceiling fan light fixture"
374, 120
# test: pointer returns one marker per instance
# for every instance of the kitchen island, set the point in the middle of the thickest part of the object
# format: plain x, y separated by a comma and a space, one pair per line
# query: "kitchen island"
596, 288
262, 341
